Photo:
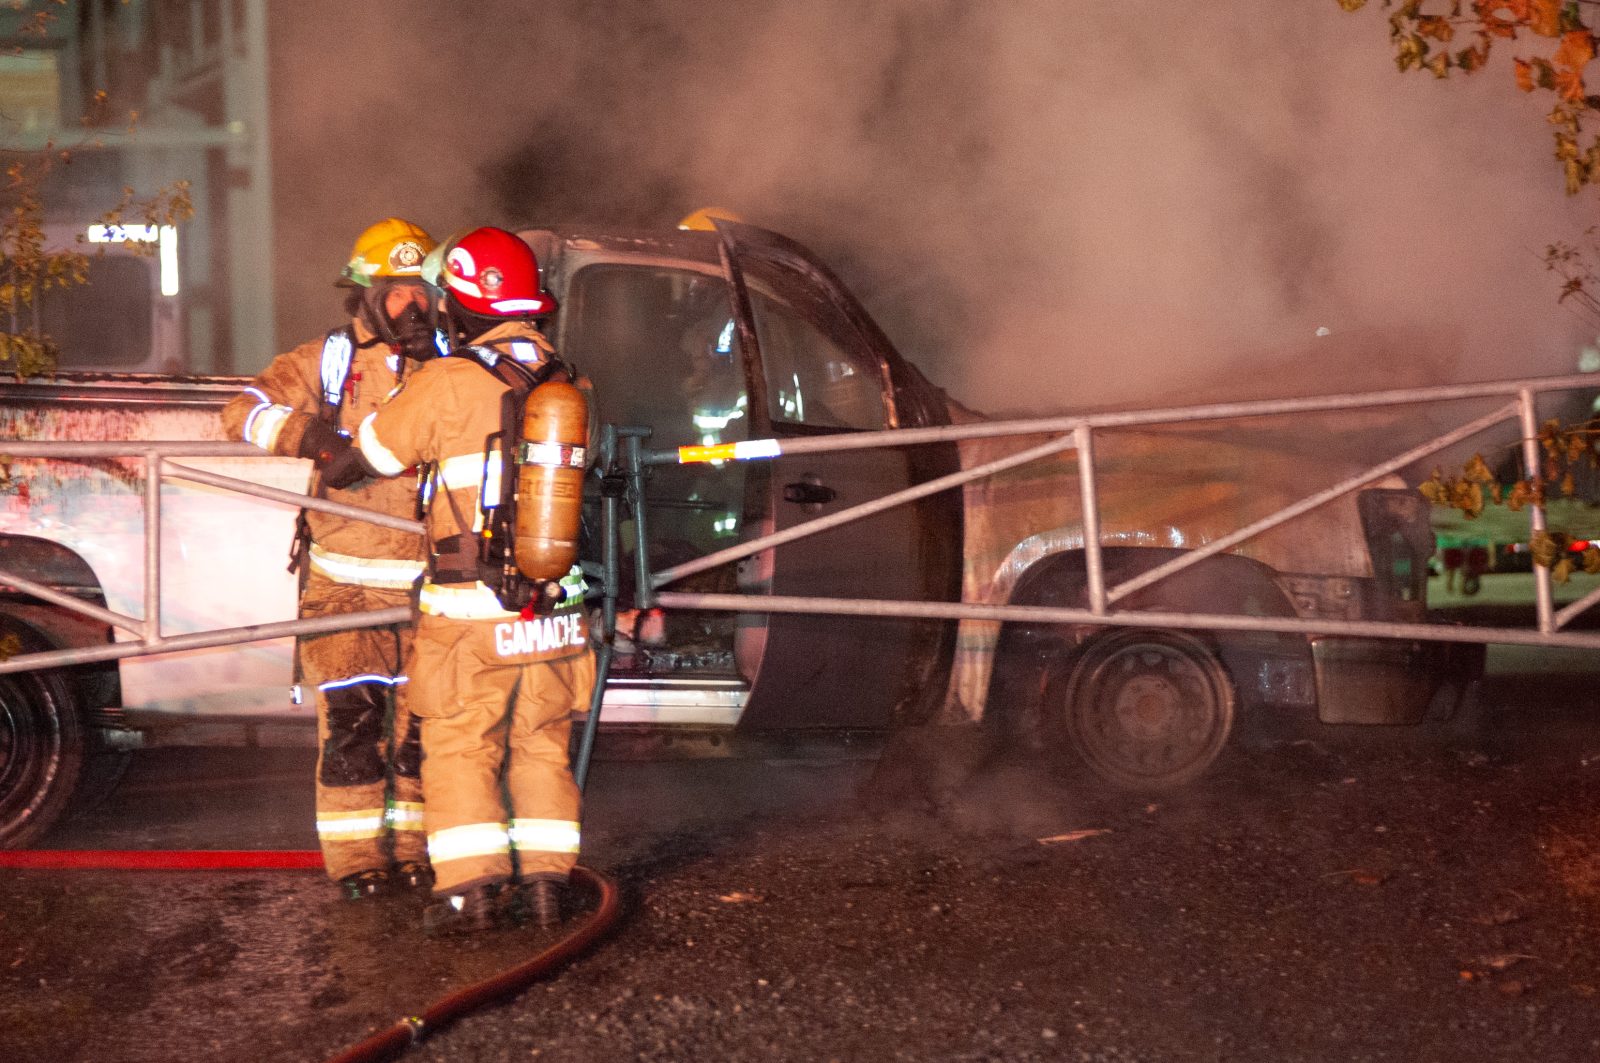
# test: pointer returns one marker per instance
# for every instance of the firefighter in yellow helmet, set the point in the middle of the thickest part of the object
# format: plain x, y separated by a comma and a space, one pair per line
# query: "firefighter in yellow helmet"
495, 681
368, 783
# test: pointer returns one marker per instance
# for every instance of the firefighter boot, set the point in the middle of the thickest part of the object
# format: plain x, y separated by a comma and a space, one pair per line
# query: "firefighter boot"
366, 884
537, 902
471, 911
414, 875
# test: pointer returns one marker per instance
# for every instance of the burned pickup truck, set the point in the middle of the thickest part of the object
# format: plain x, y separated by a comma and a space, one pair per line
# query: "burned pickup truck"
720, 338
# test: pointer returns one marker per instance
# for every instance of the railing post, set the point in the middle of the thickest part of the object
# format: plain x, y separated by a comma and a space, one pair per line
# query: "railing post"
1536, 516
644, 593
152, 548
610, 532
1083, 437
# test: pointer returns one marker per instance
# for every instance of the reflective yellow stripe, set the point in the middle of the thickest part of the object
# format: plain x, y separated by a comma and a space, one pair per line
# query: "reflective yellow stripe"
544, 835
404, 815
265, 423
476, 602
466, 471
747, 451
473, 839
365, 571
378, 455
350, 826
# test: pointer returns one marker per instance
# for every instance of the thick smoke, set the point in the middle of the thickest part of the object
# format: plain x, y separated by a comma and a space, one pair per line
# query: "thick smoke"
1047, 203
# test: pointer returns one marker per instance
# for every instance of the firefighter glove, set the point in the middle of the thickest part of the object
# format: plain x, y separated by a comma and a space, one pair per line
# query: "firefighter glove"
320, 440
344, 465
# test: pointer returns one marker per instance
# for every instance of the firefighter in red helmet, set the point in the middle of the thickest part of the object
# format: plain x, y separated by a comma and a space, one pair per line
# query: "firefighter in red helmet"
495, 681
368, 783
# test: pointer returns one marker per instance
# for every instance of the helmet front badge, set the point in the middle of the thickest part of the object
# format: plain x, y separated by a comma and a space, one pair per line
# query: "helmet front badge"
406, 255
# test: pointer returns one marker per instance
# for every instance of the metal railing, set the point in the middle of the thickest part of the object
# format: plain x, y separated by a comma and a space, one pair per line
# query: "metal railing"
157, 468
629, 461
1077, 433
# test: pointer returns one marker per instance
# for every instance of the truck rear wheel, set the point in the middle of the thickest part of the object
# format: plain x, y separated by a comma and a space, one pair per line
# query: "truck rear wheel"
1143, 710
41, 748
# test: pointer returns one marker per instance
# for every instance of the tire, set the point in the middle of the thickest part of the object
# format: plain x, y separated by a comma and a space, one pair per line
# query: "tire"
1143, 710
42, 742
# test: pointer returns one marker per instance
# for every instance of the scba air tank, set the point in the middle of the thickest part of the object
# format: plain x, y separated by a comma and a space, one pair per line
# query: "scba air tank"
550, 464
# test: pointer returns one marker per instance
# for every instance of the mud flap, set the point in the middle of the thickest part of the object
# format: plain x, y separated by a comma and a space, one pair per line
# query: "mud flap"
1386, 681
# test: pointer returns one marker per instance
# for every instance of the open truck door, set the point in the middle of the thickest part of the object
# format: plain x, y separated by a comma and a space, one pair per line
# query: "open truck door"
817, 365
751, 341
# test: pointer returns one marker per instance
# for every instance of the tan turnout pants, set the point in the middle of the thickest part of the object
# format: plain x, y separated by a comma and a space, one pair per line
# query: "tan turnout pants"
494, 729
369, 786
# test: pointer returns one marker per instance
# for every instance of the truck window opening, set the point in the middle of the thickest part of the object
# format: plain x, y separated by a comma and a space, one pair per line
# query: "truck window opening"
662, 348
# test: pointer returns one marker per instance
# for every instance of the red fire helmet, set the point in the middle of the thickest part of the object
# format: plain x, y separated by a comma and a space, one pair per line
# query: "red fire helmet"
491, 272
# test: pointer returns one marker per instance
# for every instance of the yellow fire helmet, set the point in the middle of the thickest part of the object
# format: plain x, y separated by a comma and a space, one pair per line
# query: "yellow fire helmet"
703, 219
392, 247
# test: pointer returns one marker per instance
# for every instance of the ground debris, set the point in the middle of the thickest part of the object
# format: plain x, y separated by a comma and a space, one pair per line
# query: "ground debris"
1502, 915
1504, 960
1073, 836
741, 897
1360, 876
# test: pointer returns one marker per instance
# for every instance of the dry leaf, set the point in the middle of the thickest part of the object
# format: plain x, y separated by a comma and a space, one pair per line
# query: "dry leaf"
1504, 960
1072, 836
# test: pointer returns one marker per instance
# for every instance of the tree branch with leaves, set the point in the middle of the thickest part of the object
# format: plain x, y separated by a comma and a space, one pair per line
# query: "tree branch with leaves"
1444, 36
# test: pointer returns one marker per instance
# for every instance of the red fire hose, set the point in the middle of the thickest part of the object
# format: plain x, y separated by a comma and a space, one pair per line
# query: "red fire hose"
159, 860
413, 1028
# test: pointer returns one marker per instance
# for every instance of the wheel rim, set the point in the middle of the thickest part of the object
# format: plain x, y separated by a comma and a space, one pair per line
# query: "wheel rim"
1150, 712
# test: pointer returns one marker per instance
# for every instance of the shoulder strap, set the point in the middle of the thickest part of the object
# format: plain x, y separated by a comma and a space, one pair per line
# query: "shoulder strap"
338, 349
516, 375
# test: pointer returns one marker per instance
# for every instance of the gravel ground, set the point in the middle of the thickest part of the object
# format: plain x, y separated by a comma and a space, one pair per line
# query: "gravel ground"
1332, 896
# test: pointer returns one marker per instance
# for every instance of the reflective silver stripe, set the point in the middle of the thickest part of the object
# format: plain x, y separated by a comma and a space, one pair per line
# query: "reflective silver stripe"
462, 603
336, 351
357, 680
555, 455
473, 839
404, 815
265, 423
544, 835
365, 571
350, 826
378, 455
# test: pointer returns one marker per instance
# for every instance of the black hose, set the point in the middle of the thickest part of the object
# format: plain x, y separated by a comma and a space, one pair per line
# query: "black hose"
410, 1030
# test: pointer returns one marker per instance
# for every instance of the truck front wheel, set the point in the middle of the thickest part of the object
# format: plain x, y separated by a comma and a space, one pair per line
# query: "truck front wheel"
41, 748
1143, 710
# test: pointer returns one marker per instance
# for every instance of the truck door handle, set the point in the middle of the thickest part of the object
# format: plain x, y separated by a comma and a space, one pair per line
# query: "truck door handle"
808, 494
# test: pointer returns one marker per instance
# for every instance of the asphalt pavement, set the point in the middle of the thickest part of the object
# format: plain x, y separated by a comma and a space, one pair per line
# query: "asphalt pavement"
1328, 894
